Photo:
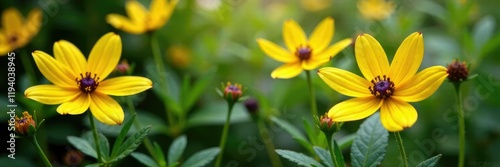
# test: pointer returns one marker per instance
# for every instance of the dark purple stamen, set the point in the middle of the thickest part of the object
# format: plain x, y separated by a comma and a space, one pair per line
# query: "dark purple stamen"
304, 53
382, 88
88, 83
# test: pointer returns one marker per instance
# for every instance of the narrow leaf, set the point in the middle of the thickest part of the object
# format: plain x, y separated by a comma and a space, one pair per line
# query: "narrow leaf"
338, 154
144, 159
431, 162
298, 158
324, 156
202, 158
176, 149
131, 144
294, 132
122, 135
369, 147
160, 156
82, 145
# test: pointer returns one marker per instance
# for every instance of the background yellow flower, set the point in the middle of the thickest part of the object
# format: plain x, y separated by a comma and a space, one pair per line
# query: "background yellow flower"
17, 31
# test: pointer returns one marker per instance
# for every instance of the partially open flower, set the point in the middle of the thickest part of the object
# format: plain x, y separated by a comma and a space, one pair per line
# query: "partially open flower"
232, 92
23, 124
327, 125
457, 72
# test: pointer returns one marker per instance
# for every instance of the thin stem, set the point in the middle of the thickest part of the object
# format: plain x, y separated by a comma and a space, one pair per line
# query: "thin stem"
314, 109
137, 124
275, 159
401, 148
224, 135
155, 48
461, 127
330, 148
96, 139
25, 59
34, 141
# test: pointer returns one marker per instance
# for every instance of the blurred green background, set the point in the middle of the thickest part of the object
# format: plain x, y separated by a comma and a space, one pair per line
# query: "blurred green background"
217, 39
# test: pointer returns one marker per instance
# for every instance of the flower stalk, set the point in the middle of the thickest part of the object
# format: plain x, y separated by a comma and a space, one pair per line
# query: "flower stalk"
330, 148
222, 143
275, 160
312, 94
96, 139
401, 148
34, 141
461, 126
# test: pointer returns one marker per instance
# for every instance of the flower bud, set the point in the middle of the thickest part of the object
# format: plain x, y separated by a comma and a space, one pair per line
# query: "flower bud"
123, 67
73, 158
327, 125
252, 105
457, 72
23, 124
232, 92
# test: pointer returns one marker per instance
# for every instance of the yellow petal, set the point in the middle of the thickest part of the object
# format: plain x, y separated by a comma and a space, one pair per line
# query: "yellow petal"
422, 85
345, 82
124, 86
12, 21
397, 115
123, 23
322, 35
354, 109
276, 52
333, 50
313, 63
51, 94
68, 54
106, 109
407, 59
161, 10
293, 35
33, 22
370, 57
75, 107
287, 71
5, 47
105, 55
136, 11
57, 73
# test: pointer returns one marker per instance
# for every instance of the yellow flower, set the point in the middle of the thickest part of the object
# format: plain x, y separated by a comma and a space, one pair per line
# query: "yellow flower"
389, 88
179, 55
303, 53
16, 31
141, 20
79, 84
315, 5
375, 9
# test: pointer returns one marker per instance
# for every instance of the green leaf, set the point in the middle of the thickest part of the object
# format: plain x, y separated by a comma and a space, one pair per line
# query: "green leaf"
169, 97
294, 132
193, 92
92, 165
176, 149
202, 158
431, 162
298, 158
122, 135
346, 141
369, 147
83, 145
324, 156
210, 114
103, 143
131, 144
159, 155
483, 31
338, 154
144, 159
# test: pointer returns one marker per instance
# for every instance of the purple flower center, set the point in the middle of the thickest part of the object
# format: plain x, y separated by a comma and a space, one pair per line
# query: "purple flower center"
88, 83
22, 120
304, 53
382, 88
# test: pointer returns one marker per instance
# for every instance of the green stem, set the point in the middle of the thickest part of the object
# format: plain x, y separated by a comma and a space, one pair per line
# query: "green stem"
34, 141
275, 159
138, 126
224, 135
401, 148
314, 109
461, 127
25, 59
330, 148
96, 139
155, 48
